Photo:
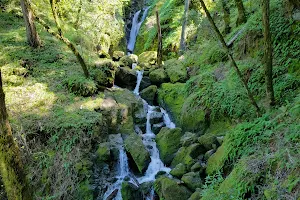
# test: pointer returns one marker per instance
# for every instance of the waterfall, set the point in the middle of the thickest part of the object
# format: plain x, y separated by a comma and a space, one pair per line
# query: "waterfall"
136, 25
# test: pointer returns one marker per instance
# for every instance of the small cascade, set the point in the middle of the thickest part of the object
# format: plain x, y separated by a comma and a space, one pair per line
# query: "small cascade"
139, 79
167, 119
136, 25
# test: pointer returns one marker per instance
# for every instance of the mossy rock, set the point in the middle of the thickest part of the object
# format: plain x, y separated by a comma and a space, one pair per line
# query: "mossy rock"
135, 147
149, 94
148, 57
103, 152
216, 161
179, 170
80, 85
104, 72
126, 78
158, 76
176, 71
208, 141
168, 142
188, 139
171, 97
130, 192
196, 195
103, 54
187, 155
117, 55
128, 60
168, 189
192, 180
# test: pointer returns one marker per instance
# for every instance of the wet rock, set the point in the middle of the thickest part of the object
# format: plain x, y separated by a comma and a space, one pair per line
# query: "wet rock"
157, 127
196, 195
128, 60
168, 142
145, 82
130, 191
208, 141
188, 138
142, 127
209, 153
192, 180
148, 57
168, 189
149, 93
220, 139
179, 170
103, 152
117, 55
135, 147
113, 195
126, 78
158, 76
140, 118
156, 117
115, 141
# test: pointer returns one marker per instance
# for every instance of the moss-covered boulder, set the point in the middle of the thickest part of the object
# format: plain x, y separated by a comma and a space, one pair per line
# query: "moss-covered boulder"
216, 161
148, 57
103, 54
156, 117
208, 141
130, 191
176, 71
80, 85
126, 78
128, 60
104, 72
188, 139
196, 195
158, 76
117, 55
179, 170
103, 152
136, 149
149, 94
192, 180
187, 155
168, 189
145, 82
168, 142
157, 127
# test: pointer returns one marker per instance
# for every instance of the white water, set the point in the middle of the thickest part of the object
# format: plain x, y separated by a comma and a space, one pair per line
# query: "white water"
136, 25
138, 82
167, 119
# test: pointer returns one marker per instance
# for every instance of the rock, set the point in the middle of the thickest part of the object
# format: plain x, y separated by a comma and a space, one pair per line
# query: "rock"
103, 152
130, 192
115, 141
145, 188
209, 153
149, 93
220, 139
208, 141
142, 127
216, 161
104, 72
128, 60
148, 57
168, 189
188, 155
157, 127
156, 117
140, 118
198, 167
145, 82
113, 195
103, 54
196, 195
117, 55
176, 71
135, 147
168, 142
158, 76
192, 180
179, 170
126, 78
188, 138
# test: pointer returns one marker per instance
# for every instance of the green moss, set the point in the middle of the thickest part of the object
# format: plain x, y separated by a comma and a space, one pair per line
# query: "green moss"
179, 170
130, 191
148, 57
80, 85
208, 141
176, 70
187, 155
168, 142
216, 162
149, 94
103, 152
158, 76
192, 180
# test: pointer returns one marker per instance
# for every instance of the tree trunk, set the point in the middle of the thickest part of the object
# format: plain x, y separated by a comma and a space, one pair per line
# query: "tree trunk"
53, 4
182, 47
11, 167
32, 35
250, 95
76, 24
226, 16
159, 47
241, 12
268, 51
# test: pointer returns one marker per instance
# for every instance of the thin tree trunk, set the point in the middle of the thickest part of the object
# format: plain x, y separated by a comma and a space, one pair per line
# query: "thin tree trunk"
32, 35
76, 24
182, 47
268, 51
241, 12
159, 47
250, 95
53, 4
226, 16
67, 42
11, 168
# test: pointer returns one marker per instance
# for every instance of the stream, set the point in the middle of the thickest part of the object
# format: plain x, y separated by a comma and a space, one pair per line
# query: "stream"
156, 165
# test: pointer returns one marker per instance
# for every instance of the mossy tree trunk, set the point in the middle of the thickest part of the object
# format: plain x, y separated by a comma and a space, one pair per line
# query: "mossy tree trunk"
241, 12
159, 37
182, 47
53, 4
226, 16
76, 24
233, 63
11, 168
268, 51
32, 35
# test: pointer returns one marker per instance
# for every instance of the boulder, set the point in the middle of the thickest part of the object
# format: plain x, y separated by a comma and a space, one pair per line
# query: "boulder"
104, 72
128, 60
156, 117
145, 82
179, 170
192, 180
168, 143
103, 54
176, 71
126, 78
130, 192
148, 57
140, 118
198, 167
149, 93
196, 195
216, 161
188, 138
103, 152
157, 127
117, 55
158, 76
209, 153
136, 149
168, 189
208, 141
